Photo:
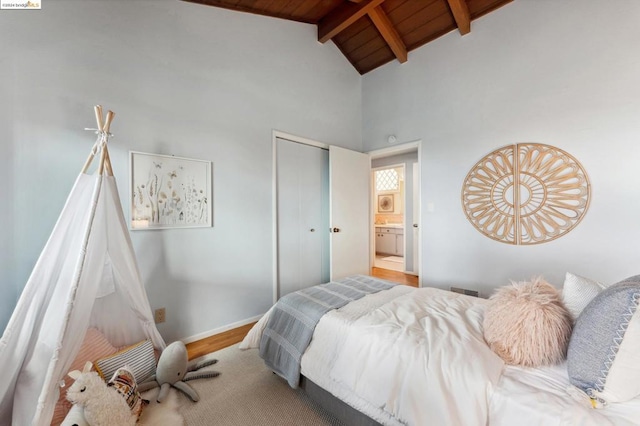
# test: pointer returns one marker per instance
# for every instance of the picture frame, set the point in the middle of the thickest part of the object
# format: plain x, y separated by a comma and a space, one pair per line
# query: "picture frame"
169, 192
385, 203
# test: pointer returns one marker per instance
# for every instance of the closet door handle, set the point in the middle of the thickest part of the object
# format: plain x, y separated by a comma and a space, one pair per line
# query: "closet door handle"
312, 230
334, 230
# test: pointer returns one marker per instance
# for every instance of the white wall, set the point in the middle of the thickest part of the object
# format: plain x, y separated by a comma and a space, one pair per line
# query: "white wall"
564, 73
183, 79
7, 256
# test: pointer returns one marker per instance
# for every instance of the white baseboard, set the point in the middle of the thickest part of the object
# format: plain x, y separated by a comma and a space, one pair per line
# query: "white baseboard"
219, 330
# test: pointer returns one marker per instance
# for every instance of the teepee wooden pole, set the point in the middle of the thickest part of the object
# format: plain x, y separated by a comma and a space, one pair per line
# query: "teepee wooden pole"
103, 157
87, 163
97, 109
107, 123
103, 126
105, 161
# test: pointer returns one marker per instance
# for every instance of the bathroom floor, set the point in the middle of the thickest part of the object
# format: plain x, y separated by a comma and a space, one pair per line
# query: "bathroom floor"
394, 263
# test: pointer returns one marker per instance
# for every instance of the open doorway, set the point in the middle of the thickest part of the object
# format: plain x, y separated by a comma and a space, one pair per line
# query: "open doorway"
388, 209
395, 215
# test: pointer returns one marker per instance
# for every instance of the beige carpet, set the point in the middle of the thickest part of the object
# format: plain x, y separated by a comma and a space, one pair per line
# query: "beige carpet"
247, 393
161, 414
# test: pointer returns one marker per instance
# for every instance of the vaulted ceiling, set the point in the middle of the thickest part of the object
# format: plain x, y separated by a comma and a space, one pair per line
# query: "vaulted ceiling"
371, 33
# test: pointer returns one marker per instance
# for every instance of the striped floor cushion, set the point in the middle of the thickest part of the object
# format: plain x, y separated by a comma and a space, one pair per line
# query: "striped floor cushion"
140, 358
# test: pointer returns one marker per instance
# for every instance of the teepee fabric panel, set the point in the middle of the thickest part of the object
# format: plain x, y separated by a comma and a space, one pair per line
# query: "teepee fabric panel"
89, 254
129, 304
32, 337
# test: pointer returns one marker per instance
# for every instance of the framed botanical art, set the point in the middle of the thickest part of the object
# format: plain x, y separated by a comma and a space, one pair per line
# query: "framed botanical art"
385, 203
169, 192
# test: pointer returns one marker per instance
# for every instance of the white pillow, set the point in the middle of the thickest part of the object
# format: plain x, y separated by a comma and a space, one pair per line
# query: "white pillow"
578, 291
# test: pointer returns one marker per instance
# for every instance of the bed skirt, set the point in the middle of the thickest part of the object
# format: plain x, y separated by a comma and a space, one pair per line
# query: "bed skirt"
339, 409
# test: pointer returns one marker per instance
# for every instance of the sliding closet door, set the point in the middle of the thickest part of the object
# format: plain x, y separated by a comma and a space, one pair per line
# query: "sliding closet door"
302, 180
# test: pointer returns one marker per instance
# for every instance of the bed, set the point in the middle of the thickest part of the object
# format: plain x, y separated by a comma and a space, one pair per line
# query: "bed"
407, 356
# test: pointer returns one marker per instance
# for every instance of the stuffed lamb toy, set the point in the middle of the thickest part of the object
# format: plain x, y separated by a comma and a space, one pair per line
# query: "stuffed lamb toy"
75, 417
103, 404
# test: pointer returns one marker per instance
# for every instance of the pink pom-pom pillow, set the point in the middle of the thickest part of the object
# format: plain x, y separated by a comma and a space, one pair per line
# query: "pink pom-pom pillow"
527, 324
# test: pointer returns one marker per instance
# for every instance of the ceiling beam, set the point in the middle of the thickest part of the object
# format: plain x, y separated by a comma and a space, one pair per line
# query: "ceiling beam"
461, 15
342, 17
389, 33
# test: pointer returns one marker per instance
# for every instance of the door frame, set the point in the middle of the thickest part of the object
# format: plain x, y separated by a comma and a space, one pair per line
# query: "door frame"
388, 152
275, 135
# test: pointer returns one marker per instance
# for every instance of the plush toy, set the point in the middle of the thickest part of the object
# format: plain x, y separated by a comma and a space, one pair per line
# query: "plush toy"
75, 417
105, 404
173, 370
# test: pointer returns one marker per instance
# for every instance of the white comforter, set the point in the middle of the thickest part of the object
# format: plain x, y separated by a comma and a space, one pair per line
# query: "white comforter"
406, 356
410, 356
540, 396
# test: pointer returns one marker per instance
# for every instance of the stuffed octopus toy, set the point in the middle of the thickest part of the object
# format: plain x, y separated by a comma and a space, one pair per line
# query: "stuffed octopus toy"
174, 370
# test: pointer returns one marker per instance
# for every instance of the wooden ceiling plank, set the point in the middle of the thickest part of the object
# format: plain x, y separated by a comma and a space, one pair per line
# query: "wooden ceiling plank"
461, 15
356, 35
349, 58
375, 59
423, 16
240, 7
303, 7
430, 31
370, 47
291, 7
390, 5
343, 16
408, 9
389, 33
317, 10
478, 8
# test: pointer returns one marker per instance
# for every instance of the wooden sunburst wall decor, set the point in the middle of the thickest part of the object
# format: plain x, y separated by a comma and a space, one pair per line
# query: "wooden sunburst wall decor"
526, 194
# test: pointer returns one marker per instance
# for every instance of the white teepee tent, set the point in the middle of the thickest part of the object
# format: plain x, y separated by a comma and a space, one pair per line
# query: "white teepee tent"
86, 276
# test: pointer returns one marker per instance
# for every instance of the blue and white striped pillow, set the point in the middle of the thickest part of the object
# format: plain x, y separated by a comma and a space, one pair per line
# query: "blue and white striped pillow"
140, 358
603, 359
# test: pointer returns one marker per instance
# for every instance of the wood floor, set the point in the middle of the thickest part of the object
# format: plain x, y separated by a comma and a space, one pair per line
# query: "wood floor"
231, 337
218, 341
399, 277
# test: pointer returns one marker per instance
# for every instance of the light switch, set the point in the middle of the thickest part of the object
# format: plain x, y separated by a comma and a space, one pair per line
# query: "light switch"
431, 207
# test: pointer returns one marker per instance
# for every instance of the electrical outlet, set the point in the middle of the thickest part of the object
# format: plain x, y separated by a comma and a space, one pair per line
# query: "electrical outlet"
160, 315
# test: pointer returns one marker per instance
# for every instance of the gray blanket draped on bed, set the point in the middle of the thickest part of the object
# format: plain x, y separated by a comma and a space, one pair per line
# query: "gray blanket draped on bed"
290, 327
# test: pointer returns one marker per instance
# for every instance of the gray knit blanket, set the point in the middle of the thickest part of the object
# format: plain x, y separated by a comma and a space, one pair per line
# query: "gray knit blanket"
291, 324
